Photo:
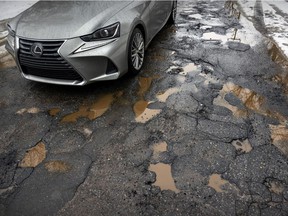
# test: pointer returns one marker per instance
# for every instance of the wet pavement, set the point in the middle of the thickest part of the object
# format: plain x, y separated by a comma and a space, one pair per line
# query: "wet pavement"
201, 131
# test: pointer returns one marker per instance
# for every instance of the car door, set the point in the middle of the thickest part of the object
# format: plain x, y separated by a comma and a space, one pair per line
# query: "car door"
159, 12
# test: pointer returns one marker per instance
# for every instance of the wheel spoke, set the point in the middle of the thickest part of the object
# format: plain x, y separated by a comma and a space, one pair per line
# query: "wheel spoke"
141, 46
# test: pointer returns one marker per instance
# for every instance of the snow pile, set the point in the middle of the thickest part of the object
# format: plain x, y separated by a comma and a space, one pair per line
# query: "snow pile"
275, 17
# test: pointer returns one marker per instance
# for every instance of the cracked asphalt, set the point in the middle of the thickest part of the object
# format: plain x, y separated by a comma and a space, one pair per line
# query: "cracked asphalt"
202, 130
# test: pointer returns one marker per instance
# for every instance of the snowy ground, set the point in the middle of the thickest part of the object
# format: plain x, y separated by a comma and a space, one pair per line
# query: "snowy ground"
275, 18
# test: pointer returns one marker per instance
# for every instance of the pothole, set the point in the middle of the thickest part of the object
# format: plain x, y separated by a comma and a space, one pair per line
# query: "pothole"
158, 148
163, 96
144, 85
217, 183
277, 55
279, 136
250, 99
163, 171
143, 113
57, 166
54, 111
34, 156
164, 178
94, 110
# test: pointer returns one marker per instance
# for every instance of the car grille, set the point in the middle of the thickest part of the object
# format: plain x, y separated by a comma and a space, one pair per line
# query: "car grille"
49, 65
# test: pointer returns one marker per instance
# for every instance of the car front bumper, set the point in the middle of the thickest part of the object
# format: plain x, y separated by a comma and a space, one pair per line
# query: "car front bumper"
92, 61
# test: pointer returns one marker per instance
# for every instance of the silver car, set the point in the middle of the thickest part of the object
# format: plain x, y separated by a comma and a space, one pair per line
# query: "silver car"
79, 42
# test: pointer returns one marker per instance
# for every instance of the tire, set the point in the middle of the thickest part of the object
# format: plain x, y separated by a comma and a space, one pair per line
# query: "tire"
173, 13
136, 52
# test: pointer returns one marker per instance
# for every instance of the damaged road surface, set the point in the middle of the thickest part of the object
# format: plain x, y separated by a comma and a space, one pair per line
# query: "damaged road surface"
201, 131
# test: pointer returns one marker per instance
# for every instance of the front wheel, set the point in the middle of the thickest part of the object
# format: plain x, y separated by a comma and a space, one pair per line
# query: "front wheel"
173, 13
136, 52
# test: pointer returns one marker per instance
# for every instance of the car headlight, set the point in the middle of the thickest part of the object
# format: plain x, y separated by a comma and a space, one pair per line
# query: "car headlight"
108, 32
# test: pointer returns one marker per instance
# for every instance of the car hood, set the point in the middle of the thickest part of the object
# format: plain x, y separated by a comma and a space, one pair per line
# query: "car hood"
65, 19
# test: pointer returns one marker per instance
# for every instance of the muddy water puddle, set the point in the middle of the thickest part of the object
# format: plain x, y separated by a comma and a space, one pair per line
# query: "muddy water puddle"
254, 102
163, 96
140, 108
277, 55
57, 166
217, 183
159, 148
94, 110
34, 156
54, 111
164, 178
250, 99
143, 113
279, 137
144, 85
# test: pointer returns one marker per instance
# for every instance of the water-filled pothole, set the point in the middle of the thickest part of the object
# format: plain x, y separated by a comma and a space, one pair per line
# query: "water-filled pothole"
164, 178
34, 156
163, 171
217, 183
163, 96
250, 100
57, 166
94, 110
279, 137
143, 113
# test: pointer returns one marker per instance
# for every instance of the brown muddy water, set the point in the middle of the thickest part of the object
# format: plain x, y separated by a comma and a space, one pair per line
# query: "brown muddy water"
34, 156
144, 85
279, 137
94, 110
163, 96
57, 166
250, 99
54, 111
164, 178
143, 113
217, 183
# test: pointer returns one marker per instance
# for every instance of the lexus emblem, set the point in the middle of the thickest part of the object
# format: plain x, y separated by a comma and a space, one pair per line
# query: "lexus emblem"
37, 49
